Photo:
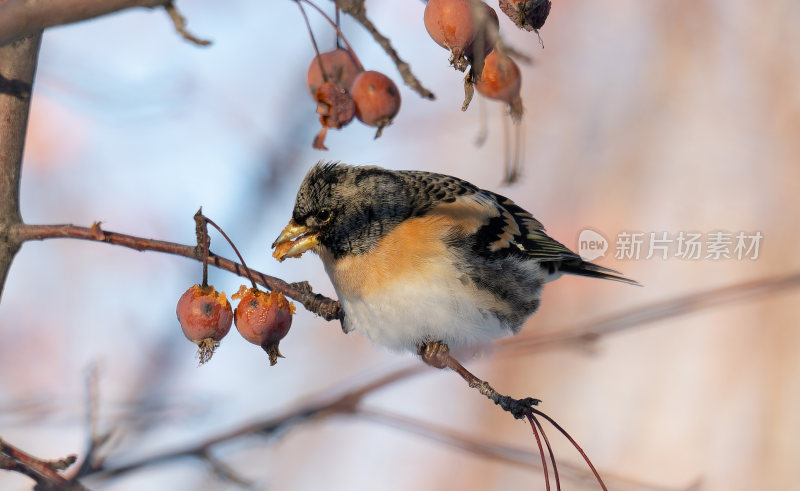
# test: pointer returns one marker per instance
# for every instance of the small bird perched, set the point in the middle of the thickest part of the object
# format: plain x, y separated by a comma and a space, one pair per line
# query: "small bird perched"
423, 261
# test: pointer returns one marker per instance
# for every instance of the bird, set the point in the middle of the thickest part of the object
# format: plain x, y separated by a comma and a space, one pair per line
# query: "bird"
425, 262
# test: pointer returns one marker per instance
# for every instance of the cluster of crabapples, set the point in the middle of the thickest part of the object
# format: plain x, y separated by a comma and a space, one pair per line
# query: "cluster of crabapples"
469, 30
342, 90
262, 318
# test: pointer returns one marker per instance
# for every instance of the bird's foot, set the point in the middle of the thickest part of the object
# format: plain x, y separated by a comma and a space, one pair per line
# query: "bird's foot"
434, 353
518, 408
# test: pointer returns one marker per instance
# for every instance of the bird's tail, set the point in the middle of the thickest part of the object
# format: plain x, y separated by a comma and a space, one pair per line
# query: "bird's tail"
584, 268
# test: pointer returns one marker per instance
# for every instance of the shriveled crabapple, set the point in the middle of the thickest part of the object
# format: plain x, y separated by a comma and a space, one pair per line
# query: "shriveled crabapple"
340, 66
450, 24
526, 14
205, 317
263, 318
377, 99
501, 80
335, 107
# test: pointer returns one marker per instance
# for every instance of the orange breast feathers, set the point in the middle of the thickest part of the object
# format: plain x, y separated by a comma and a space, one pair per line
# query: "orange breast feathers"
414, 251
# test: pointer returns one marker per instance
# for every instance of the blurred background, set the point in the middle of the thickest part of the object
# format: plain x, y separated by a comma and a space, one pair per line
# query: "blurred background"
641, 116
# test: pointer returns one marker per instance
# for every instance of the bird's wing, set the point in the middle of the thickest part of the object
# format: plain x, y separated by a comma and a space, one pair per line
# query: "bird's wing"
498, 226
521, 233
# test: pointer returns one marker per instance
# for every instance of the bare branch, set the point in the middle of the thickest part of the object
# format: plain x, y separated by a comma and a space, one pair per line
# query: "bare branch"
19, 18
358, 12
44, 472
17, 68
646, 314
346, 403
323, 306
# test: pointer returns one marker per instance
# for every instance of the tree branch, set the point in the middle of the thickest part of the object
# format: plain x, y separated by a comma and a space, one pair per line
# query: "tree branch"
17, 68
646, 314
19, 18
346, 403
44, 472
323, 306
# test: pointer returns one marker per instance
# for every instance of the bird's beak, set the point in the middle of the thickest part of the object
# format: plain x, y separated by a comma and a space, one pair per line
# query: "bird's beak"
285, 245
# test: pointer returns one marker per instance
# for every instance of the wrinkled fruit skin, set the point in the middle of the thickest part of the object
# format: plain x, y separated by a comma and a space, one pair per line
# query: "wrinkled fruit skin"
500, 78
340, 68
526, 14
334, 105
336, 109
377, 99
263, 318
205, 317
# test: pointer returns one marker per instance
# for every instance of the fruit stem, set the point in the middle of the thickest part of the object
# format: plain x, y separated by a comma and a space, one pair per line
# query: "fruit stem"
313, 41
202, 238
338, 40
247, 270
338, 32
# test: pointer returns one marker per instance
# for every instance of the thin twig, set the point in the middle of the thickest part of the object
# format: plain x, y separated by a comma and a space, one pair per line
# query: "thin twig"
179, 22
356, 10
44, 472
313, 42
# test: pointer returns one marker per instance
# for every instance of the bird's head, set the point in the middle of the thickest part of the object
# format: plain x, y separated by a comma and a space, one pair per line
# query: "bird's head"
344, 209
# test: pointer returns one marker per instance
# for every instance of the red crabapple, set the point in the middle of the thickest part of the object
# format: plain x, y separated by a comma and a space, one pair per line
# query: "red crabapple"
263, 318
377, 99
205, 317
449, 23
340, 69
500, 80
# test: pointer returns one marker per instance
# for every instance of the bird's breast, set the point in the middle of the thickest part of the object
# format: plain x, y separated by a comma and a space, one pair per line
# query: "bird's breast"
413, 249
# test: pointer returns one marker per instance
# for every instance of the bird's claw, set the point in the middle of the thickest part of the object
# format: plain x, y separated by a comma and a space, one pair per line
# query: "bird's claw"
519, 408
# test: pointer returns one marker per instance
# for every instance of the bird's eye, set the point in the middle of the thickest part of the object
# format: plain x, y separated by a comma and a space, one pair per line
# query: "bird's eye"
324, 216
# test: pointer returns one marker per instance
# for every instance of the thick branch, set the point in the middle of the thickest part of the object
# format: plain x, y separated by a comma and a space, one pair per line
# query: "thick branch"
325, 307
20, 18
17, 67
